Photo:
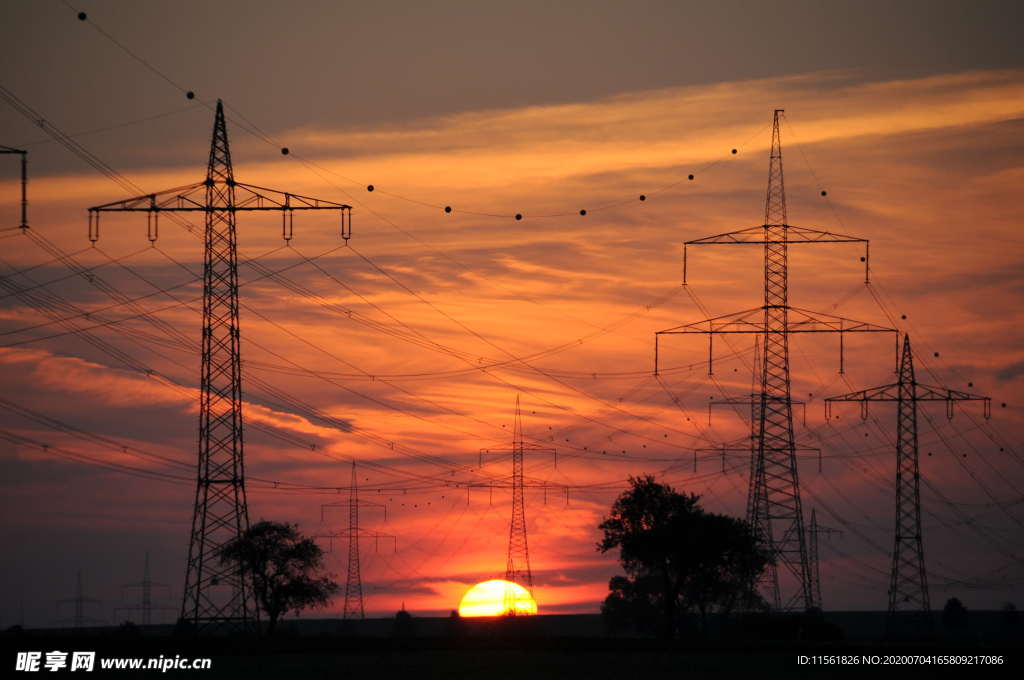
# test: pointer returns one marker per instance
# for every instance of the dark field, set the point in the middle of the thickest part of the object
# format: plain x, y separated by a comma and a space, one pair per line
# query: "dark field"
540, 647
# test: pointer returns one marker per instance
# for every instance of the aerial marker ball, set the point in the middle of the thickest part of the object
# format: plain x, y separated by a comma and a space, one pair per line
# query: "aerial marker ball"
82, 16
643, 197
190, 95
447, 208
284, 150
369, 187
519, 216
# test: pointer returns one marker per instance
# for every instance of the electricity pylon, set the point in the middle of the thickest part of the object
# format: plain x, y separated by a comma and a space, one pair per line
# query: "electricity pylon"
774, 495
218, 594
79, 600
24, 183
908, 580
354, 581
813, 532
517, 561
145, 587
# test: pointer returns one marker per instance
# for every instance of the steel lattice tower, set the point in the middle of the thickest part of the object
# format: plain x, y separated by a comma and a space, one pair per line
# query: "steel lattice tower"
774, 507
517, 564
354, 580
813, 532
145, 586
353, 607
217, 594
908, 580
79, 618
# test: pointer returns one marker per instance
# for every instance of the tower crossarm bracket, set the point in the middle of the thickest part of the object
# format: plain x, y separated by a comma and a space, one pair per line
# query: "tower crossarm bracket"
753, 321
348, 504
793, 236
247, 197
738, 450
525, 448
358, 533
921, 393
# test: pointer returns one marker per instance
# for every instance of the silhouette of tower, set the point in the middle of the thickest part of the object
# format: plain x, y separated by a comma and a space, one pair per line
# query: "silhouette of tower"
517, 564
353, 607
908, 581
79, 618
813, 532
145, 605
216, 594
774, 506
354, 581
24, 183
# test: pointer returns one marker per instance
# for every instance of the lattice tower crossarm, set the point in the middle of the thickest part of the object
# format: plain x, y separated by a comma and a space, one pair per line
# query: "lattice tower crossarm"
218, 594
908, 580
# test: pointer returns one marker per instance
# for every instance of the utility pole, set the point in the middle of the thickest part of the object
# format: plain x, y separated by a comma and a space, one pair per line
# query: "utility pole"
908, 580
219, 595
814, 531
774, 507
354, 581
24, 182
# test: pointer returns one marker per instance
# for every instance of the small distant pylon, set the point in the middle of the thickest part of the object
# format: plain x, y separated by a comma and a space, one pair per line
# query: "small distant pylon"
79, 601
145, 605
908, 581
517, 560
814, 531
354, 608
517, 564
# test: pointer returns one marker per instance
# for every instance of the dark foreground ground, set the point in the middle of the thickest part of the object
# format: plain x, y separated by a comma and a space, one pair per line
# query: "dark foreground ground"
540, 647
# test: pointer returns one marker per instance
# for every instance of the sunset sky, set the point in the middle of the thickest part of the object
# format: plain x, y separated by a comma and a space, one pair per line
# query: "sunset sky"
405, 351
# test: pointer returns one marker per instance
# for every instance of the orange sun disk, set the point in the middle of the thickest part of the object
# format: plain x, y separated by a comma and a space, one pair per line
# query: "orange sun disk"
497, 598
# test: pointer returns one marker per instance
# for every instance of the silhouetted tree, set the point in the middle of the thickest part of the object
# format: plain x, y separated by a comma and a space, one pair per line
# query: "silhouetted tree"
677, 557
954, 614
283, 566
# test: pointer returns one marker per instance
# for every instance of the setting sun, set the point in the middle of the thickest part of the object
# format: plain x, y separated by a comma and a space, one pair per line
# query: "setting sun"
497, 598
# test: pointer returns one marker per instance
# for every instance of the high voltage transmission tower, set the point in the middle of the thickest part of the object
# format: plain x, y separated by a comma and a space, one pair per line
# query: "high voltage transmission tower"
353, 608
517, 561
24, 182
908, 580
145, 586
774, 508
79, 600
218, 594
813, 532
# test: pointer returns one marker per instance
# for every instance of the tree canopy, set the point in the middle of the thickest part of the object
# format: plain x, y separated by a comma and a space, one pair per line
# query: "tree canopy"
284, 567
678, 558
